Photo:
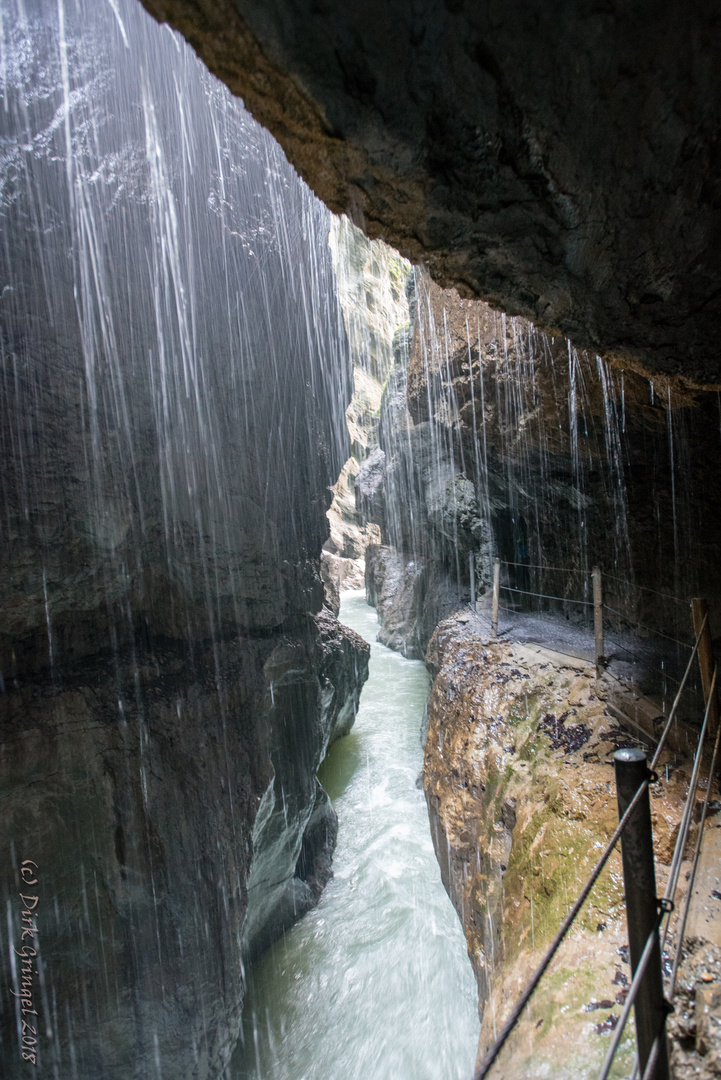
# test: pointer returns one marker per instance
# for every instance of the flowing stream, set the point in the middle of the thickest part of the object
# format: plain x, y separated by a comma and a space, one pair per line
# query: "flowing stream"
375, 982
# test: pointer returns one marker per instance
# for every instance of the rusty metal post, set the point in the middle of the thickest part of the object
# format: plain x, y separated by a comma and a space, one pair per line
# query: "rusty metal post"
639, 879
598, 619
496, 591
699, 610
472, 568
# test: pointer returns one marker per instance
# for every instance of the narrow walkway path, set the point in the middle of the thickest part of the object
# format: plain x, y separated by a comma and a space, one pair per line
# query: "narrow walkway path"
375, 984
652, 665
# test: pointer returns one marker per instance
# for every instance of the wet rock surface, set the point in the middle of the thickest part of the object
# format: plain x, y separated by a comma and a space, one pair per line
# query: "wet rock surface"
521, 796
137, 494
169, 682
559, 161
313, 701
173, 811
342, 670
134, 790
410, 596
372, 290
497, 440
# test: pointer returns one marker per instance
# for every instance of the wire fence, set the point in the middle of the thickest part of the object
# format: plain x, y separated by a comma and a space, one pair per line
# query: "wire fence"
646, 588
628, 616
545, 596
665, 904
631, 637
568, 922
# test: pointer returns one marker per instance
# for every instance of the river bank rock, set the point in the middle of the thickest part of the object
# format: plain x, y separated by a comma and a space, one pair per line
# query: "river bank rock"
173, 811
695, 1025
521, 797
410, 596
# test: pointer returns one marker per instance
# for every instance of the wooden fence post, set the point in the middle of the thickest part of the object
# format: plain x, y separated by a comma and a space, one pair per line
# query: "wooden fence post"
598, 618
496, 590
699, 609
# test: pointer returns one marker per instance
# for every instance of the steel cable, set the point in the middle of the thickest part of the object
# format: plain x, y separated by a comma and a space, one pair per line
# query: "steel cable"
543, 596
553, 948
538, 566
686, 818
520, 1005
678, 696
611, 577
646, 588
652, 1058
651, 940
644, 626
648, 1071
697, 852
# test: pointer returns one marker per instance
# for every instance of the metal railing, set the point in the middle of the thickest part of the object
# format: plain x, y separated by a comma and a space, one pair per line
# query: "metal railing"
645, 912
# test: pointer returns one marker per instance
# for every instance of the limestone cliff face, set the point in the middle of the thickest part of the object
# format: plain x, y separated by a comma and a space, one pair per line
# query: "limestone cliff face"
560, 161
171, 423
313, 698
373, 283
410, 596
522, 800
167, 465
372, 280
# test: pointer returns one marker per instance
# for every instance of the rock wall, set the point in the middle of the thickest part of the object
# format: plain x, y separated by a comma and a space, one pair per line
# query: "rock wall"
175, 373
314, 695
410, 596
172, 808
373, 284
522, 800
559, 161
501, 441
495, 439
372, 279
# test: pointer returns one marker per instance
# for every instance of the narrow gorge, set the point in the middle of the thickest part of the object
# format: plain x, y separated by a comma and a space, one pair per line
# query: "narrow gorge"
306, 733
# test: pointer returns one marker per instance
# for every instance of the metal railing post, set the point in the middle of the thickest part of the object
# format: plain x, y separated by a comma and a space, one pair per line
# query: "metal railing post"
699, 611
496, 591
598, 618
472, 568
639, 879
